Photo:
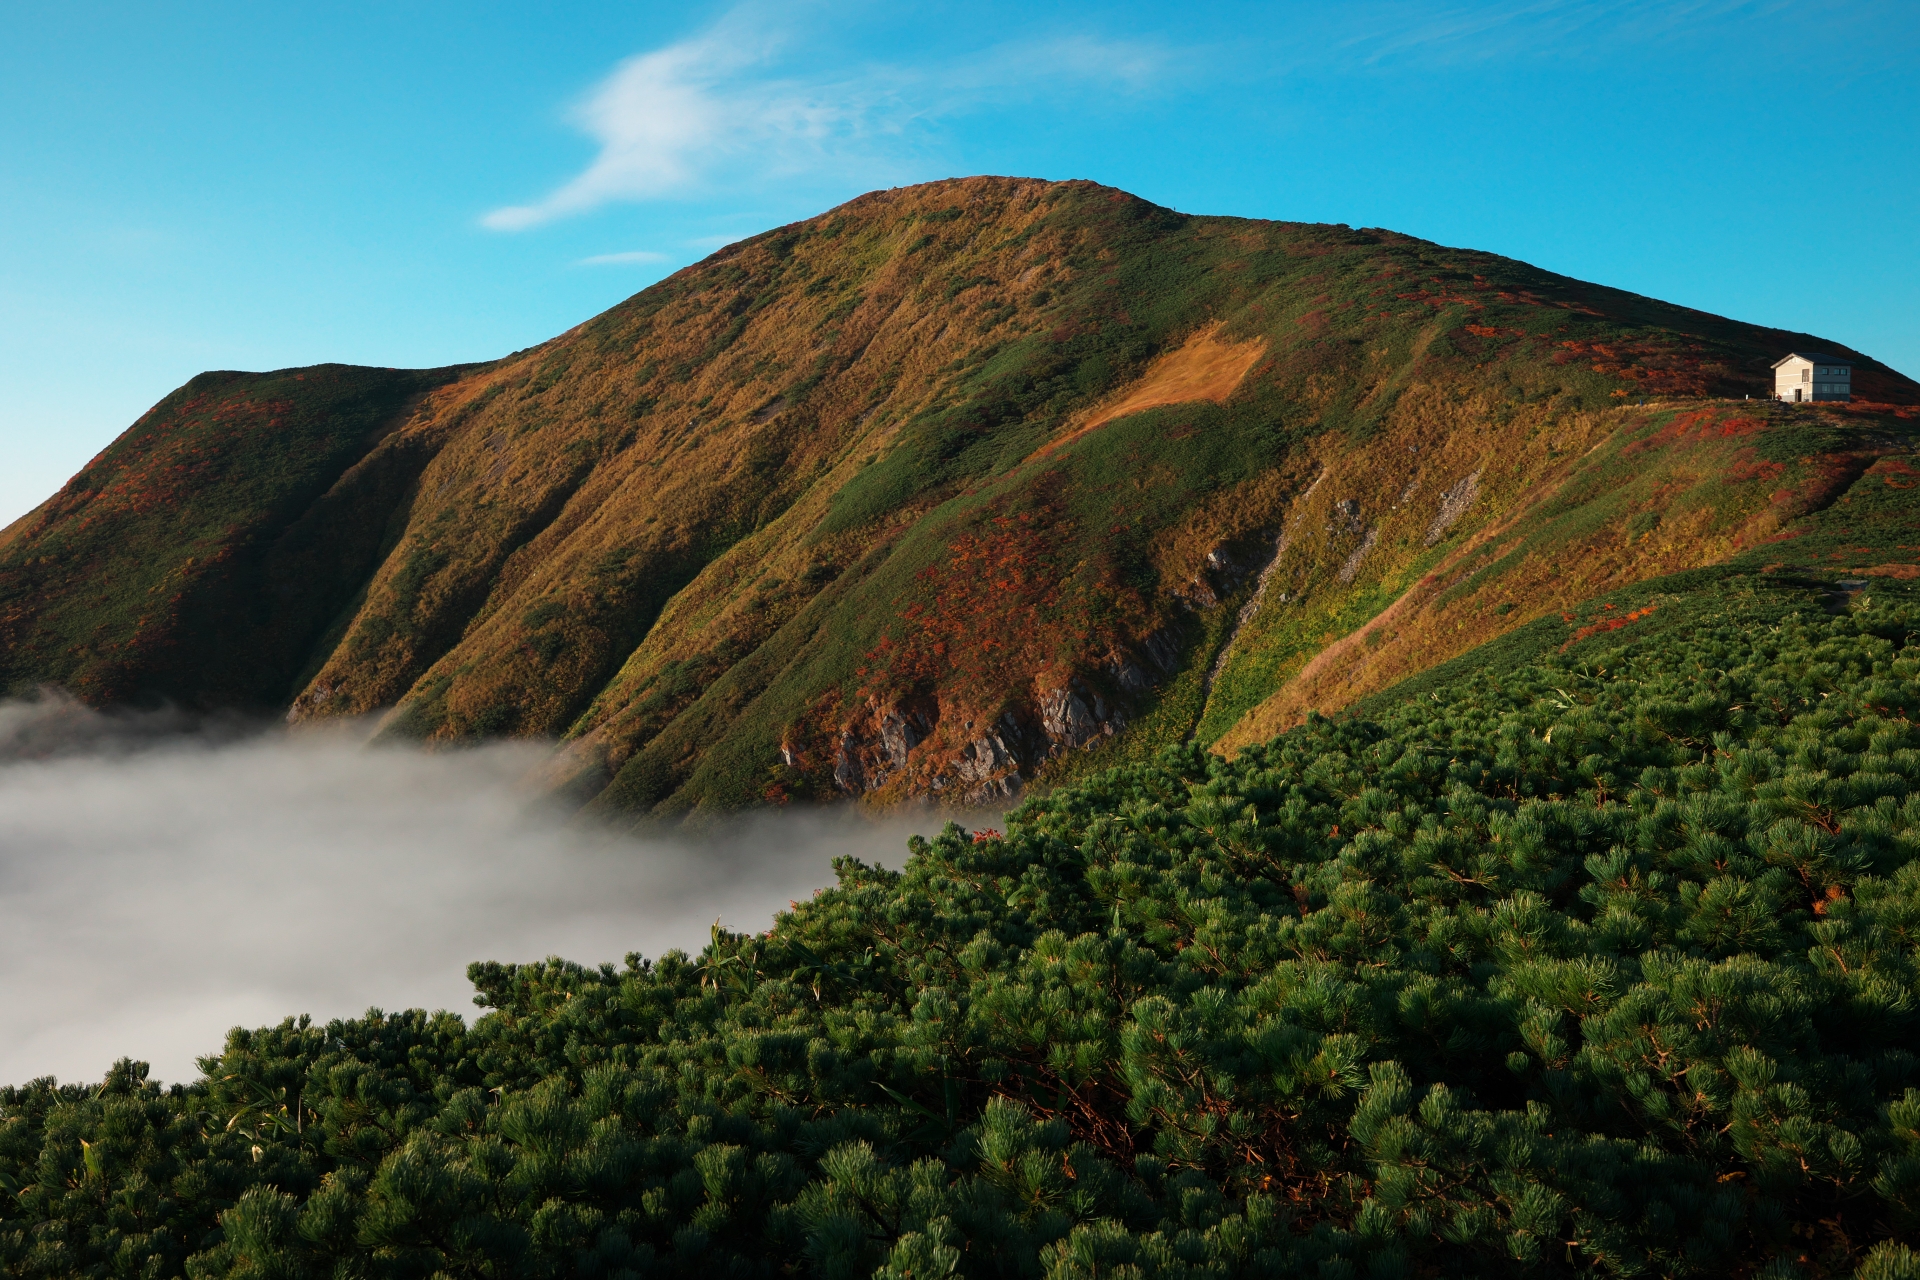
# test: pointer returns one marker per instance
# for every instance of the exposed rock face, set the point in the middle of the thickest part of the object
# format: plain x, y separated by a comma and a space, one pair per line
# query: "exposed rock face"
1126, 673
899, 733
916, 746
987, 769
1358, 556
876, 746
1070, 721
1162, 650
1454, 503
847, 773
1221, 574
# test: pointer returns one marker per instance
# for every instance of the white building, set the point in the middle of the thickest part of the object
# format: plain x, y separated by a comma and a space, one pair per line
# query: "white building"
1812, 375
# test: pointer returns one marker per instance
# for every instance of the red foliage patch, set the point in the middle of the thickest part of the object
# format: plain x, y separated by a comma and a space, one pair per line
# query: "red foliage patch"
1608, 624
1013, 597
1708, 424
1751, 468
1665, 368
1832, 475
1889, 468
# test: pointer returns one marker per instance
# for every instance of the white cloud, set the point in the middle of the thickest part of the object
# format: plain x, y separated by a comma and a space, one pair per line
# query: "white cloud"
161, 885
632, 256
715, 111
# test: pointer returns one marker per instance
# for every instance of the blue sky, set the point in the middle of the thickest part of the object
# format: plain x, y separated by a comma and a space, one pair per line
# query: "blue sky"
215, 185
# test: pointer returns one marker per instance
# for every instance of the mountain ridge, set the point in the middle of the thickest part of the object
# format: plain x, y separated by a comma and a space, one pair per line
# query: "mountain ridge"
836, 511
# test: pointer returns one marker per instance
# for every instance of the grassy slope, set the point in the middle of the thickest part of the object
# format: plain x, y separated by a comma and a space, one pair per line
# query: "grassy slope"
802, 485
203, 553
1638, 495
1086, 541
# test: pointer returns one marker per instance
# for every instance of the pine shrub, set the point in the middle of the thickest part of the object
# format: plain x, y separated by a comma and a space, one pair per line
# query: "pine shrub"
1603, 966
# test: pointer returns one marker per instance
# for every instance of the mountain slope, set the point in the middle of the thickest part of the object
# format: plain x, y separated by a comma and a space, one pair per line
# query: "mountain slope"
954, 487
202, 554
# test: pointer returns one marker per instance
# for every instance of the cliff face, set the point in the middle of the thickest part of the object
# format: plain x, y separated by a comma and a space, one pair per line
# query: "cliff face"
949, 489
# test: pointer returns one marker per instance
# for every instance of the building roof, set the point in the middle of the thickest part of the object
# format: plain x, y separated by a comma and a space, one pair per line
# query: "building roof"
1818, 357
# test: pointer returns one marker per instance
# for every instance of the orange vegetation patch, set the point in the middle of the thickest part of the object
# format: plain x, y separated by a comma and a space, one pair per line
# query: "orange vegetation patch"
1204, 369
1608, 624
1660, 366
1695, 426
1896, 472
1902, 571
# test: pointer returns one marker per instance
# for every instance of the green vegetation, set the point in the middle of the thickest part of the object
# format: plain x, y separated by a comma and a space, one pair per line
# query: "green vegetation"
1596, 956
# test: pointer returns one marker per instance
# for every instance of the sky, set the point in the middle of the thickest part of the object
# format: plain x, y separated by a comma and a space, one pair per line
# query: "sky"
245, 186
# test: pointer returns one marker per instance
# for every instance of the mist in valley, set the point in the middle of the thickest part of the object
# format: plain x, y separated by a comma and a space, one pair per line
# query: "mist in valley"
163, 879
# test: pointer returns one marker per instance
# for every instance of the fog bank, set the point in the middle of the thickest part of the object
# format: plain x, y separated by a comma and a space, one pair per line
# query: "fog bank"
162, 880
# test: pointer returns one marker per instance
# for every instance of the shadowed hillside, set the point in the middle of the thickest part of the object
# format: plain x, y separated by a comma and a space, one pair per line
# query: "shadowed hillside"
947, 490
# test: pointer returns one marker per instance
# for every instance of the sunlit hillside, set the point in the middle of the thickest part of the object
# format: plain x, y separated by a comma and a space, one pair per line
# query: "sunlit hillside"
951, 491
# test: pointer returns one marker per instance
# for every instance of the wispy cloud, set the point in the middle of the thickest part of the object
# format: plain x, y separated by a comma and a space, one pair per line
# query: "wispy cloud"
716, 110
1508, 28
629, 258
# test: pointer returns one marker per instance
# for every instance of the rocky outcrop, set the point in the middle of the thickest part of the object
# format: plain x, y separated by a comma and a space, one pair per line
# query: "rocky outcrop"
893, 749
1358, 556
987, 769
1160, 651
878, 745
1073, 716
1454, 503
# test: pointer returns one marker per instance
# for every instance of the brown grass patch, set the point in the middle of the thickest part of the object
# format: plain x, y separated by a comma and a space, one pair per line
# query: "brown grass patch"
1203, 369
1901, 571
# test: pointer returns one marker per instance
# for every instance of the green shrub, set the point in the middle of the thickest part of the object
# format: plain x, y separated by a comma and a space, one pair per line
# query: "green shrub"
1600, 964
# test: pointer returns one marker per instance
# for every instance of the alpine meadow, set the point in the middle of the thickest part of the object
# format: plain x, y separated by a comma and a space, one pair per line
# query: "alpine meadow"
1458, 731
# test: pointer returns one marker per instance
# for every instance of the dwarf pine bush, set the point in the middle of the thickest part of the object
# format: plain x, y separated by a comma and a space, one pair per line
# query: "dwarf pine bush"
1605, 966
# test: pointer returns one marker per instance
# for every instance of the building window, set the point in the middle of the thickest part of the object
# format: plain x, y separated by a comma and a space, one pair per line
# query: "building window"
1806, 375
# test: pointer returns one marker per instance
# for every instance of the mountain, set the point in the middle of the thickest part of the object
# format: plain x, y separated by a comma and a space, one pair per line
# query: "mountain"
951, 490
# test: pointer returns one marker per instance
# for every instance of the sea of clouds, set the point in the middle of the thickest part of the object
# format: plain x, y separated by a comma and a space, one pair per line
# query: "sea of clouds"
164, 878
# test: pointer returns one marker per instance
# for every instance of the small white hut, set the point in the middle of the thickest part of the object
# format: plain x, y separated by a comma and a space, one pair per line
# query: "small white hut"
1812, 375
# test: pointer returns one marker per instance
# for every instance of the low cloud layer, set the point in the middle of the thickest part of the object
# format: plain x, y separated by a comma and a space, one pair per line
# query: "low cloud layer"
161, 882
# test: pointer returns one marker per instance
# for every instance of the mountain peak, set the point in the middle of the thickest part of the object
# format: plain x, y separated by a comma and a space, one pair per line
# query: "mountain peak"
948, 490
